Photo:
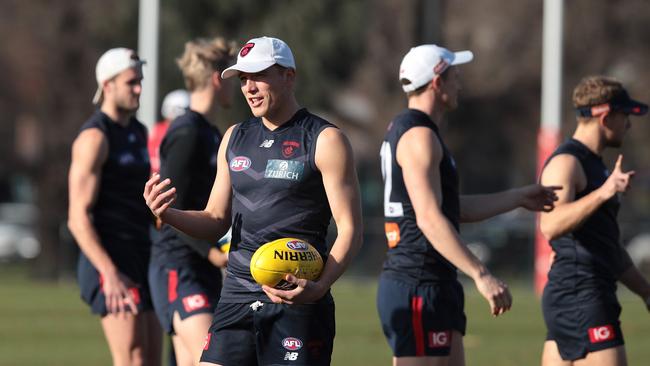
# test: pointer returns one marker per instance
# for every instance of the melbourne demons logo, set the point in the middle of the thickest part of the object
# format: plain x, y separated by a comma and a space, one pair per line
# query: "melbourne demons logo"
246, 49
440, 67
240, 163
292, 344
296, 245
601, 334
289, 148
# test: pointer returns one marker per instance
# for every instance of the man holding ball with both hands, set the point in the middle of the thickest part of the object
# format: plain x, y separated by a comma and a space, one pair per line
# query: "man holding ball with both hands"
283, 173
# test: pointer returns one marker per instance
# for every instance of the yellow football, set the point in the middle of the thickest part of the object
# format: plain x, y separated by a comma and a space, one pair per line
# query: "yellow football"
273, 260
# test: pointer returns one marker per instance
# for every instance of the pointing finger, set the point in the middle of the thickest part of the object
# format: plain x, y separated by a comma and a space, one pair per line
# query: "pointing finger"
619, 162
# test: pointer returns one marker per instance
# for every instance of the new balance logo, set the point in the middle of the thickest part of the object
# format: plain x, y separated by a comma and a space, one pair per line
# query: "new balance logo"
291, 356
267, 143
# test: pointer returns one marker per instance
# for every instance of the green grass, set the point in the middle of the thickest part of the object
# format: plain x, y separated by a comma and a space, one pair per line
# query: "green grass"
47, 324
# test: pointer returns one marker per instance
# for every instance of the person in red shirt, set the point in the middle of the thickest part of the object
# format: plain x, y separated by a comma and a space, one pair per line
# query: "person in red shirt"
174, 104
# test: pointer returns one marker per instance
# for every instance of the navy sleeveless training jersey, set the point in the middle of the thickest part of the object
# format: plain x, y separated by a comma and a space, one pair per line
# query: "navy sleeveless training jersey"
589, 259
188, 156
277, 192
410, 256
120, 215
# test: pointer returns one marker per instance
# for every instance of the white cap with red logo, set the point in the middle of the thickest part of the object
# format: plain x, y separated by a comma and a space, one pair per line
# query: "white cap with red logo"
259, 54
422, 63
111, 63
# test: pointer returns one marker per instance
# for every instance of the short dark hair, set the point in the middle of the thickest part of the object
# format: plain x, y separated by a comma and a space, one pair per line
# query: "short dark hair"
421, 89
595, 90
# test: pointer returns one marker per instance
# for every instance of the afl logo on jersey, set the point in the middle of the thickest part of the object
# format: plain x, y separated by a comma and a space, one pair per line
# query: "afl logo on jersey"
240, 163
292, 344
246, 49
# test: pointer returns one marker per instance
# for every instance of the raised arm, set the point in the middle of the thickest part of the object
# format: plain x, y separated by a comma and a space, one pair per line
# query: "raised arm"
565, 170
208, 224
89, 153
419, 154
335, 162
534, 197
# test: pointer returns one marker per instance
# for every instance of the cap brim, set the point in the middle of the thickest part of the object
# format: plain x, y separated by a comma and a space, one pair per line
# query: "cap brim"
635, 108
462, 57
249, 67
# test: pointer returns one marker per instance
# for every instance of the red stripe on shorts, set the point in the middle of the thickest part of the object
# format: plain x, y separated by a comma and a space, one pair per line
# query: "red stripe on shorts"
172, 285
416, 318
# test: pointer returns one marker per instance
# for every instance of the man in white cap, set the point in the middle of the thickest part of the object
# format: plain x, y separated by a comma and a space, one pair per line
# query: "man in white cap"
283, 173
175, 104
108, 217
419, 299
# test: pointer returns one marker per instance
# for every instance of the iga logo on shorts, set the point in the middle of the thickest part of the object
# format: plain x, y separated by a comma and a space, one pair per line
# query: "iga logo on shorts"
296, 245
601, 334
292, 344
439, 339
195, 302
240, 163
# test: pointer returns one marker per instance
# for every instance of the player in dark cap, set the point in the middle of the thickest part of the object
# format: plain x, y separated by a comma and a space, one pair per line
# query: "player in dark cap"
580, 306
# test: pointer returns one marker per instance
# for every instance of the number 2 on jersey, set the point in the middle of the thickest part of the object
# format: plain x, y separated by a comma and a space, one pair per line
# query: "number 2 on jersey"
391, 209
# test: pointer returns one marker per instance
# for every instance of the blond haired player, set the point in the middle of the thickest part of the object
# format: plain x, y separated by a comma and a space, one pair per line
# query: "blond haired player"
184, 273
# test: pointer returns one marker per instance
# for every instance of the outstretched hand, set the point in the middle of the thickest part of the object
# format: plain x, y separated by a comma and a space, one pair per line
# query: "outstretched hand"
305, 291
536, 197
157, 196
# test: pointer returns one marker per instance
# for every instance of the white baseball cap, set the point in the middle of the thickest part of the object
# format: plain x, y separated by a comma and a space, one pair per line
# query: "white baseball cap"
422, 63
113, 62
175, 104
259, 54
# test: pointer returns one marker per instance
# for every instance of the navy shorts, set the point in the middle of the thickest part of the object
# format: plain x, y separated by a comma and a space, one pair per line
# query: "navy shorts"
271, 334
419, 320
134, 266
582, 328
189, 289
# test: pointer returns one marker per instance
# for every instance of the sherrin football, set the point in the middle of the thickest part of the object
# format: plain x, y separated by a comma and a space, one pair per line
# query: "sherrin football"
273, 260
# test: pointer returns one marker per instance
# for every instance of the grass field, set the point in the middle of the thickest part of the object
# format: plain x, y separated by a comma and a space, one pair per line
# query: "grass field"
47, 324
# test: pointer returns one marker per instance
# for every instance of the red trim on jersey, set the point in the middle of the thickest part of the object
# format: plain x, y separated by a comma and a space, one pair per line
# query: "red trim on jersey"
416, 318
172, 285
